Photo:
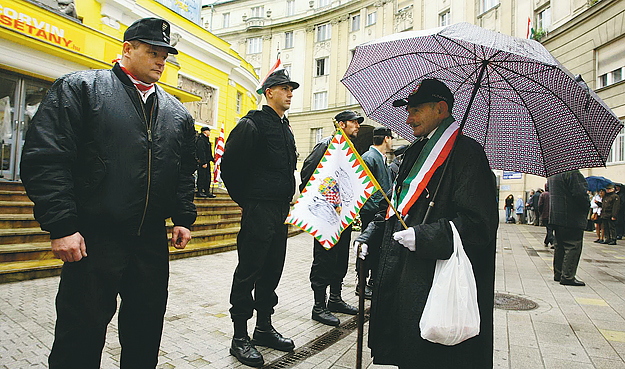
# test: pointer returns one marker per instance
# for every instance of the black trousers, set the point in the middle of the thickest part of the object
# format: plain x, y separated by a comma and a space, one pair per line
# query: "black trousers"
329, 267
136, 268
373, 257
549, 236
261, 247
568, 251
204, 178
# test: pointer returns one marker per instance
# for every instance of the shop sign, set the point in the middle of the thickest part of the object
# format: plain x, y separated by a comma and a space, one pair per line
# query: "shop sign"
512, 175
41, 26
189, 9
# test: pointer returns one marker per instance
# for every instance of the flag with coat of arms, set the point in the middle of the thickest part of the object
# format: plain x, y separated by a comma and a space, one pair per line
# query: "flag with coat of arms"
335, 193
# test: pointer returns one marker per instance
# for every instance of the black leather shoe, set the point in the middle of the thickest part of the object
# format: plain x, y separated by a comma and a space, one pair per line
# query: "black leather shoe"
368, 292
556, 278
602, 241
598, 240
337, 305
611, 242
324, 316
269, 337
571, 282
211, 196
201, 194
245, 352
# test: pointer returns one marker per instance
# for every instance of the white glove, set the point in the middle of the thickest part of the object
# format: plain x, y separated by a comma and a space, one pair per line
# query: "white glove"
407, 238
364, 250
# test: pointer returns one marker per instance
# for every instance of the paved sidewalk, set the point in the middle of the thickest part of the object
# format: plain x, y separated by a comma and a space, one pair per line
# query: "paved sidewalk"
573, 327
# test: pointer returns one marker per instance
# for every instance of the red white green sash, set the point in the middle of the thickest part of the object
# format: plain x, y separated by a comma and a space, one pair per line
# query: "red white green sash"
431, 157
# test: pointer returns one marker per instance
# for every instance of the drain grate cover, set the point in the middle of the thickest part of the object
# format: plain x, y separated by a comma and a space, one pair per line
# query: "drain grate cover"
505, 301
317, 345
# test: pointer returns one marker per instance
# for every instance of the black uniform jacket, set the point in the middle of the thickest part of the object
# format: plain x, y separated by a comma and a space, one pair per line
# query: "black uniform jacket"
312, 161
467, 197
203, 149
94, 156
259, 159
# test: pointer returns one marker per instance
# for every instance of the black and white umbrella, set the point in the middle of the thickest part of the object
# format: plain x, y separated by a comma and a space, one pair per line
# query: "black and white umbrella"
514, 97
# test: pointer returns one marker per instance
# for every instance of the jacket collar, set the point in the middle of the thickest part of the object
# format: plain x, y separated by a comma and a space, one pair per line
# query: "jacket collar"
269, 110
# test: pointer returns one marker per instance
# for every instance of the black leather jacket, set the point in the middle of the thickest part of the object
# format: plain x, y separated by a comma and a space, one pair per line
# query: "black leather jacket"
259, 158
94, 156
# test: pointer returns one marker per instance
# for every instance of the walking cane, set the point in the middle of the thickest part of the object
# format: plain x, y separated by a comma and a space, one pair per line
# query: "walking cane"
361, 310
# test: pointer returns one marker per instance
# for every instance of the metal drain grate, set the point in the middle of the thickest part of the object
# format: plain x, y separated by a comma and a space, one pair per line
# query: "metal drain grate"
510, 302
317, 345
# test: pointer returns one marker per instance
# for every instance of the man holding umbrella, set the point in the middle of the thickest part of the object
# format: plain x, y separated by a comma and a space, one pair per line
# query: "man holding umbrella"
408, 257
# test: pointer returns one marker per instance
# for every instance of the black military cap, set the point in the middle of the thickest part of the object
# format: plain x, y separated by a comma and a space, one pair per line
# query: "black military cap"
382, 132
346, 115
277, 78
204, 129
429, 90
152, 31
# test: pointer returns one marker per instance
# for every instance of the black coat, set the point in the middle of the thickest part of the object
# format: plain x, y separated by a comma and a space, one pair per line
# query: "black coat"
90, 157
467, 197
203, 149
568, 200
259, 159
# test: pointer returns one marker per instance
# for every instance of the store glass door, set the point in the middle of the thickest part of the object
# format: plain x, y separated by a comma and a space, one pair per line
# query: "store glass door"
20, 97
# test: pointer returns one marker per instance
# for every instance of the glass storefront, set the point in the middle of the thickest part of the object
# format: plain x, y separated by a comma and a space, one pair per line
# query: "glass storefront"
20, 97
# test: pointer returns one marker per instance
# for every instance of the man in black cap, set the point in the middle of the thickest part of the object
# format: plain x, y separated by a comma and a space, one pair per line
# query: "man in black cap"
329, 267
204, 153
375, 158
257, 168
99, 163
466, 200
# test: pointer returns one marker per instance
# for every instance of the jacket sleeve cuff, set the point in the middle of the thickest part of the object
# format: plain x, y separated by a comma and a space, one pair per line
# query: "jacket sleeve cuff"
62, 229
184, 221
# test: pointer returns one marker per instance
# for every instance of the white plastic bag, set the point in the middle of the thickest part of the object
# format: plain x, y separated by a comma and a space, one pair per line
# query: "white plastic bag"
451, 314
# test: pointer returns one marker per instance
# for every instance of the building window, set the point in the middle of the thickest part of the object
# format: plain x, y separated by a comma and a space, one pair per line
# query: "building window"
287, 68
617, 153
372, 18
290, 7
355, 22
323, 67
257, 12
610, 63
444, 19
320, 100
323, 3
226, 20
239, 101
288, 40
317, 135
254, 45
488, 4
323, 32
544, 20
257, 71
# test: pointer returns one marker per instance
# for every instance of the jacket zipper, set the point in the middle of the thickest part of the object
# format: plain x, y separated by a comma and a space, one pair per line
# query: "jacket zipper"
148, 124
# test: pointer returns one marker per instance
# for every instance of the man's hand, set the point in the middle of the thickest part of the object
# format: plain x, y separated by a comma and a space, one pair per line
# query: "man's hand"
70, 248
180, 236
205, 166
363, 252
407, 238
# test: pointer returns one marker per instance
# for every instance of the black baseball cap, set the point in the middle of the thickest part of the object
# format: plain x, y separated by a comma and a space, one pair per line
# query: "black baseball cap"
382, 132
204, 129
429, 90
346, 115
277, 78
152, 31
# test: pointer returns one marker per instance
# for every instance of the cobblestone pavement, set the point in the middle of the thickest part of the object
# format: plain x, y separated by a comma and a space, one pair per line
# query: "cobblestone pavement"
573, 327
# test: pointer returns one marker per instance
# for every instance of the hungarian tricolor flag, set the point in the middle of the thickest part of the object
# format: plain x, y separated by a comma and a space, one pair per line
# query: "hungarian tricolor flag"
335, 193
530, 29
277, 66
219, 151
432, 156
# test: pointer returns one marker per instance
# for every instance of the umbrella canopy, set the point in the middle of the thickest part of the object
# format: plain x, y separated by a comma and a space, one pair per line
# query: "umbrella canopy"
595, 183
526, 109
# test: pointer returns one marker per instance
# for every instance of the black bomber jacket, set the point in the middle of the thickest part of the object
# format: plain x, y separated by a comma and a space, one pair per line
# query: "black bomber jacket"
94, 155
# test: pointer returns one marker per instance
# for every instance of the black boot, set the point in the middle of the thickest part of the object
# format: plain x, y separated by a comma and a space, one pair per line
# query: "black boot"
320, 312
266, 335
368, 291
336, 303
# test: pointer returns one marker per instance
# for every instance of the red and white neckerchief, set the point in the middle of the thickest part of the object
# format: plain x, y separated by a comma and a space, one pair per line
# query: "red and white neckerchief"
145, 89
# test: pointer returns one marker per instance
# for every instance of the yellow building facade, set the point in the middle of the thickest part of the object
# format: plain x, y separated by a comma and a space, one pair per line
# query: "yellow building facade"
41, 42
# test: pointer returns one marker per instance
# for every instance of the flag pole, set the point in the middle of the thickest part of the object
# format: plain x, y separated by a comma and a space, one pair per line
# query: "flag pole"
368, 171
